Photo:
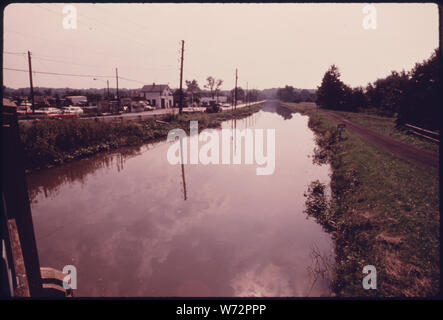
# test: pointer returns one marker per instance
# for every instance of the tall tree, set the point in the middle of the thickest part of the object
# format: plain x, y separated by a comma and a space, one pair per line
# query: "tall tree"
213, 85
252, 95
386, 95
218, 84
286, 94
422, 97
240, 94
330, 93
193, 90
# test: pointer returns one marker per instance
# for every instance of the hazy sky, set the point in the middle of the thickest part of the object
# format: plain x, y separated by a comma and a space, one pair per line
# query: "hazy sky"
270, 44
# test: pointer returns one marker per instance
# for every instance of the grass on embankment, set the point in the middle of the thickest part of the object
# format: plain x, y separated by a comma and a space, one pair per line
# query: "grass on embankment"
384, 211
387, 126
383, 125
53, 142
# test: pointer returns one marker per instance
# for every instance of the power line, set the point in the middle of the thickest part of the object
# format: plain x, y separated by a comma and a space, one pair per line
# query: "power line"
50, 40
99, 22
14, 53
130, 21
123, 78
110, 27
74, 75
6, 30
40, 57
63, 62
119, 77
60, 74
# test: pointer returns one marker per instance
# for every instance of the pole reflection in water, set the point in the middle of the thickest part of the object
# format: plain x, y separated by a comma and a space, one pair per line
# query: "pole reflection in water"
235, 138
183, 167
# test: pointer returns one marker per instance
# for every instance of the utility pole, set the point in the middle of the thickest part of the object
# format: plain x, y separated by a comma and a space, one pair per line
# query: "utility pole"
181, 78
118, 97
30, 82
247, 96
107, 82
235, 91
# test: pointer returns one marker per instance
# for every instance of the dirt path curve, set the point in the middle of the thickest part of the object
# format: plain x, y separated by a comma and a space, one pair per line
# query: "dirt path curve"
397, 148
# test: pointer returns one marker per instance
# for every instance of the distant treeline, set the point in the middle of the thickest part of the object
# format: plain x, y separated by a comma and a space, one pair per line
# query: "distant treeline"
61, 92
413, 97
290, 94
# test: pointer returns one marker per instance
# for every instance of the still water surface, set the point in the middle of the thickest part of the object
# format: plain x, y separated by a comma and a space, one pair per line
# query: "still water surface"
121, 219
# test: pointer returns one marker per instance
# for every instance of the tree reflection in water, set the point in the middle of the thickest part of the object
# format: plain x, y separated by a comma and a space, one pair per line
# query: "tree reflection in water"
77, 170
277, 108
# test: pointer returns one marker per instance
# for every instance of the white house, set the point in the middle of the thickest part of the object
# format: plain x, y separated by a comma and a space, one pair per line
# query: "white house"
158, 95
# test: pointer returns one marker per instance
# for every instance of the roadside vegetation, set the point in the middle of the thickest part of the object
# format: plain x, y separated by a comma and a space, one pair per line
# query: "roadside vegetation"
53, 142
383, 211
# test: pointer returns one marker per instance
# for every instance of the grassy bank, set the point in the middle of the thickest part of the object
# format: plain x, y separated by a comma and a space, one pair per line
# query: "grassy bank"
384, 211
53, 142
387, 126
383, 125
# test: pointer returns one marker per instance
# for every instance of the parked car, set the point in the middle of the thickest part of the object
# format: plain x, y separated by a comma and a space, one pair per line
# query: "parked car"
62, 115
47, 110
213, 109
24, 109
72, 109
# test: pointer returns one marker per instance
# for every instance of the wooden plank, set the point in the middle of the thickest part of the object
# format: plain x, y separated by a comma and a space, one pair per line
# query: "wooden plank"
22, 289
56, 290
52, 282
53, 286
422, 135
51, 273
424, 130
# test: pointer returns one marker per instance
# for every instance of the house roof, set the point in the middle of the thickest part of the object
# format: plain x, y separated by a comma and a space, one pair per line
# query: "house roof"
8, 103
154, 87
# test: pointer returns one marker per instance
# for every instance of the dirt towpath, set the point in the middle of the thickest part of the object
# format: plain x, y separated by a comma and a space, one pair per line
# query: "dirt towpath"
397, 148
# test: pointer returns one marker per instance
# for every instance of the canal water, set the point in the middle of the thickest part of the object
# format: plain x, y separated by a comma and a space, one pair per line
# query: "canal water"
122, 220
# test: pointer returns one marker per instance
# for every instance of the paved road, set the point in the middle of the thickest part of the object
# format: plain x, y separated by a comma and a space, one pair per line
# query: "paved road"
397, 148
145, 114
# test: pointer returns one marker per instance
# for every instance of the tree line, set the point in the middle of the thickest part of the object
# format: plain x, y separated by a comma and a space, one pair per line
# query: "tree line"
291, 94
212, 88
412, 97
